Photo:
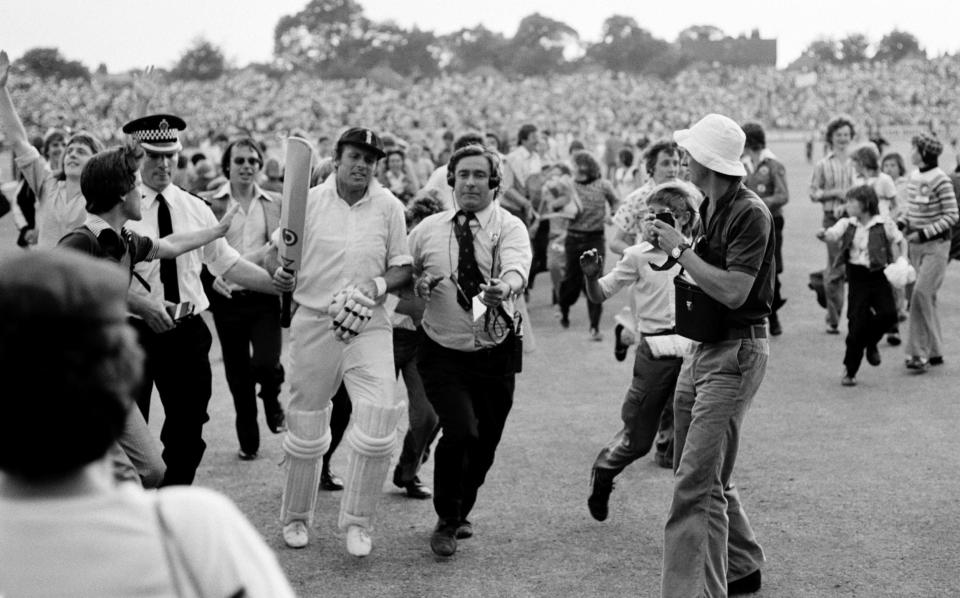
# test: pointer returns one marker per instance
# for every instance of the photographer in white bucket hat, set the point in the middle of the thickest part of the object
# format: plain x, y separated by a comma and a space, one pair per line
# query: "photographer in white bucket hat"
709, 547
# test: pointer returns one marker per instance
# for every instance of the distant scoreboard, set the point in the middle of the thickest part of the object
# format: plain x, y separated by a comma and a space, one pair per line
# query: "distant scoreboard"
734, 51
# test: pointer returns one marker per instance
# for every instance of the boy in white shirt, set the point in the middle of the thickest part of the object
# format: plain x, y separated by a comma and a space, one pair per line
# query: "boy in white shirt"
659, 350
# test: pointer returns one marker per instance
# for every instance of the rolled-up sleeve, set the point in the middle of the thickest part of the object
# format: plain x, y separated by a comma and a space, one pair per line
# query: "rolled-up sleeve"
624, 273
218, 255
398, 253
515, 252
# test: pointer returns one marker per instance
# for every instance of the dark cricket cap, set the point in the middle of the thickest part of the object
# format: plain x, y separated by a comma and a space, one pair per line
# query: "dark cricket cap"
157, 133
364, 138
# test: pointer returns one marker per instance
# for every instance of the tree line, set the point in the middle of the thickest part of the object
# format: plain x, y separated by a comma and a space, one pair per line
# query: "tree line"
335, 39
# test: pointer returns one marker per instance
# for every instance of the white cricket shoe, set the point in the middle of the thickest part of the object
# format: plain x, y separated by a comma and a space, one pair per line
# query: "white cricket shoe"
295, 534
358, 541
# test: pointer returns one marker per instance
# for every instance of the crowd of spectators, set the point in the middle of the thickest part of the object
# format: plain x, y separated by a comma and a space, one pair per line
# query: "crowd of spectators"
586, 106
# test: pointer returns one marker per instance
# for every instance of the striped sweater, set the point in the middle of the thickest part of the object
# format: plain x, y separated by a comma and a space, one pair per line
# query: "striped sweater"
931, 204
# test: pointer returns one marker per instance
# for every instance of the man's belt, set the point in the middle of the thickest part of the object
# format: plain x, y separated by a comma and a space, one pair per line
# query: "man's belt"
755, 331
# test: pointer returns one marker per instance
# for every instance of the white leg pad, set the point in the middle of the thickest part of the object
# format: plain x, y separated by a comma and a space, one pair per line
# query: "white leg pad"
306, 441
372, 440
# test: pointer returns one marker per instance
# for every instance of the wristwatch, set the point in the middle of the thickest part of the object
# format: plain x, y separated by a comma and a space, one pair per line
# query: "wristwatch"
677, 251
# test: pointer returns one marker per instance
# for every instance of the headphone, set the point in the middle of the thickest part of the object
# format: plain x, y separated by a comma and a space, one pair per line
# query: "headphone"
475, 150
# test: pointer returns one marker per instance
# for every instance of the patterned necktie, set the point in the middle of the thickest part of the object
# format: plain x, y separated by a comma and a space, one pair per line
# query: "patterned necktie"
168, 268
468, 272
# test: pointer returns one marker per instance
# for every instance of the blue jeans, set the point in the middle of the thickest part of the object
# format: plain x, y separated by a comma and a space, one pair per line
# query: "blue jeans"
707, 538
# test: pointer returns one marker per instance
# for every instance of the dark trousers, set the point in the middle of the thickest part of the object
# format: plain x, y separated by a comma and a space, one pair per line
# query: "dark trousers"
249, 319
472, 393
178, 363
654, 381
871, 312
424, 424
538, 244
778, 256
576, 243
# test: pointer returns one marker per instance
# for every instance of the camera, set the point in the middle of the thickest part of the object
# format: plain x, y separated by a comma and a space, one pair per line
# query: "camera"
666, 217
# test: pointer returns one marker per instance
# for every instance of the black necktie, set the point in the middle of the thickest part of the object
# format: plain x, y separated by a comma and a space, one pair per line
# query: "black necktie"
468, 272
168, 268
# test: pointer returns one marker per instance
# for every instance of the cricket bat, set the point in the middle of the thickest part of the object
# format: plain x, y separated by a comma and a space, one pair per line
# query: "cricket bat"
296, 185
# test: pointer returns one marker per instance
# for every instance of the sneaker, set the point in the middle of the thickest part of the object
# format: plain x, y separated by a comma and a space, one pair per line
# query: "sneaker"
601, 487
619, 349
847, 379
358, 541
595, 335
873, 355
936, 360
295, 534
915, 362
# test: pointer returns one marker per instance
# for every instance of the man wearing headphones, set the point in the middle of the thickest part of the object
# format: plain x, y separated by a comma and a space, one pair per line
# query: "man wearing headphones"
472, 262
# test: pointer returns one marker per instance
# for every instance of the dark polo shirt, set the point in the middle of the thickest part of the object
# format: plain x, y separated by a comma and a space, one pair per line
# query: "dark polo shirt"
740, 238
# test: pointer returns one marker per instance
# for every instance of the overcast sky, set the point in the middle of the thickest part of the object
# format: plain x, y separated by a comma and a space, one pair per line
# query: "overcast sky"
127, 34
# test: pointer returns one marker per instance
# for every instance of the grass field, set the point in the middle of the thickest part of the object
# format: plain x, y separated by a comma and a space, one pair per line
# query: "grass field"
852, 491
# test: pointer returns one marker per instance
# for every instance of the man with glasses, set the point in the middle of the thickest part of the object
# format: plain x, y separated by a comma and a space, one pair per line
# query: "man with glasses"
168, 303
246, 318
473, 261
709, 547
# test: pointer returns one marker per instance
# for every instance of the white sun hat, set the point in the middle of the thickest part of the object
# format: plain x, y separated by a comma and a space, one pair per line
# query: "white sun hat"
716, 141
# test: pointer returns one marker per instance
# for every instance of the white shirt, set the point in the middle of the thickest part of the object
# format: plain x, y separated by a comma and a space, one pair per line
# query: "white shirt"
248, 229
523, 163
859, 254
57, 214
653, 293
187, 213
344, 244
109, 545
436, 251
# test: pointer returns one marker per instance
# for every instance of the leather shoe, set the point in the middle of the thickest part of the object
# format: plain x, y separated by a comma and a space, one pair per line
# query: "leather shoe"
416, 489
873, 355
602, 486
330, 481
745, 585
244, 456
619, 349
464, 530
443, 541
275, 420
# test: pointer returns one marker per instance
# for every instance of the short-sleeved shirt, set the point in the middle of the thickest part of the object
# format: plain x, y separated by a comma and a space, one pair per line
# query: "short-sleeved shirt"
501, 244
346, 244
594, 198
740, 238
187, 213
57, 214
126, 248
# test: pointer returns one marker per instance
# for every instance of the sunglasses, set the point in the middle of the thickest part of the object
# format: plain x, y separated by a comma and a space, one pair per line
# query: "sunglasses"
240, 161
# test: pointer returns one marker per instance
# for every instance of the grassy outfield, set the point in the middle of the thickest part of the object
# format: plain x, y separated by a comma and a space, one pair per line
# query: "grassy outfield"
851, 491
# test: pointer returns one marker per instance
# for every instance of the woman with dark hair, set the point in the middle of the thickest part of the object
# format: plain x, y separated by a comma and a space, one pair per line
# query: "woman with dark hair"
68, 528
60, 204
585, 232
395, 176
